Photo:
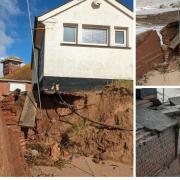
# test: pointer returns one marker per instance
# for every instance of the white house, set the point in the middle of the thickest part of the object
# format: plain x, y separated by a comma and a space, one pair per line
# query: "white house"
83, 44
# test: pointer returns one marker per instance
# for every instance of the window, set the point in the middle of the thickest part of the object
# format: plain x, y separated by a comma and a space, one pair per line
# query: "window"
70, 34
120, 37
95, 36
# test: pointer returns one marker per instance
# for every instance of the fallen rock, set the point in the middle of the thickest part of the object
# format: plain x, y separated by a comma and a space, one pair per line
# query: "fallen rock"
34, 153
55, 151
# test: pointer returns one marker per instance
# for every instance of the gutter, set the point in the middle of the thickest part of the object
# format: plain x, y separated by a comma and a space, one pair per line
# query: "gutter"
12, 80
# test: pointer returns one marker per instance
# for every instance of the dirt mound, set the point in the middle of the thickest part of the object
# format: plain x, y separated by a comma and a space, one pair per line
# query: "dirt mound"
97, 124
102, 144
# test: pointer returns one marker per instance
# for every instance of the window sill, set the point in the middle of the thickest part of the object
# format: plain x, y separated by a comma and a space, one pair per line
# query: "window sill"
95, 46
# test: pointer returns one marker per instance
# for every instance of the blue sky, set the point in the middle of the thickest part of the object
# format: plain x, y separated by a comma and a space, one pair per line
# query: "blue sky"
15, 35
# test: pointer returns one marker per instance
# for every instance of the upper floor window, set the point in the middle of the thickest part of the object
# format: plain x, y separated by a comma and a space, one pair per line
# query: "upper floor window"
70, 34
120, 37
93, 35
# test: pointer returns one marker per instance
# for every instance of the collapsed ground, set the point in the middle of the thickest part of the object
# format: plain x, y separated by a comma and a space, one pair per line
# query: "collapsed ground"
161, 73
95, 127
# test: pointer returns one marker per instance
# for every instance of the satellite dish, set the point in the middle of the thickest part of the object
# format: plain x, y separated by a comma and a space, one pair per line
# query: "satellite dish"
97, 2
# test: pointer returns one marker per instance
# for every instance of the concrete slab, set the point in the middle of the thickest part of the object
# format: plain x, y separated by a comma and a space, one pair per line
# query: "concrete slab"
153, 119
27, 118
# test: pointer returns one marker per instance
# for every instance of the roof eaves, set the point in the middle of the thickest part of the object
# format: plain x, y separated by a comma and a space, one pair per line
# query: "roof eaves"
13, 80
80, 1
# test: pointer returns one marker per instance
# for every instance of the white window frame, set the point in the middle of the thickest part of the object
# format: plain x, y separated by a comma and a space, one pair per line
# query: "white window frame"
125, 37
76, 32
98, 28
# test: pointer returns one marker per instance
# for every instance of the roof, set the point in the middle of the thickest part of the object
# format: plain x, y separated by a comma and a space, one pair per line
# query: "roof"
153, 120
24, 73
12, 58
71, 3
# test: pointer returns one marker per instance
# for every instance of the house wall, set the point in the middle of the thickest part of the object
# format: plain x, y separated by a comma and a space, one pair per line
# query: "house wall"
155, 152
88, 61
148, 53
5, 87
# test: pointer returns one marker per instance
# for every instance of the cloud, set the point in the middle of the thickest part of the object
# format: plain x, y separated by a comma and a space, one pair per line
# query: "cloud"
9, 8
5, 39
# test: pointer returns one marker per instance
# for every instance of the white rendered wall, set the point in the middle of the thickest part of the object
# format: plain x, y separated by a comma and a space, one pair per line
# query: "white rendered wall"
14, 86
88, 62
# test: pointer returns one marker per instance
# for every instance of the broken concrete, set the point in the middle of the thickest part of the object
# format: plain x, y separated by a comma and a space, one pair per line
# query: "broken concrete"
153, 119
28, 114
148, 52
157, 140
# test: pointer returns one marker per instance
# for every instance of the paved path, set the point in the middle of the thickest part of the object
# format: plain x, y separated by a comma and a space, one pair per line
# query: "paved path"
84, 166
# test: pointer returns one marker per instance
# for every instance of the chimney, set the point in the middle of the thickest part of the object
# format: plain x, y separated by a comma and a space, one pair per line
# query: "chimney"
11, 64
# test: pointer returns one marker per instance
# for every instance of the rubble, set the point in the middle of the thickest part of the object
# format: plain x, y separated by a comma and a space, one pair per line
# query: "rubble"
157, 134
69, 133
148, 52
62, 134
154, 56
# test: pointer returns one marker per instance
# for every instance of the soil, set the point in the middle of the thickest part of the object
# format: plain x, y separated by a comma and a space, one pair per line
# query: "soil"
85, 167
155, 78
72, 127
78, 134
170, 77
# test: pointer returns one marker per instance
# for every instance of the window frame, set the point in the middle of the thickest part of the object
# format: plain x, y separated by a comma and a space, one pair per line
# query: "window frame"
76, 32
125, 31
97, 27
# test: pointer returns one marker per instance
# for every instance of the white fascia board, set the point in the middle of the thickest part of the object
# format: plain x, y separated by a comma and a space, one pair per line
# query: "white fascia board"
59, 10
121, 8
73, 3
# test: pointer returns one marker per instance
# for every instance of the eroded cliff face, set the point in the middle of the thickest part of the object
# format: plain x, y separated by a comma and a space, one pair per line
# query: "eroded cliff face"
97, 124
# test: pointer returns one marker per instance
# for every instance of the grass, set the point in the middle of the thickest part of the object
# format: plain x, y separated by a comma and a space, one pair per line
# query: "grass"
60, 163
40, 147
125, 87
76, 128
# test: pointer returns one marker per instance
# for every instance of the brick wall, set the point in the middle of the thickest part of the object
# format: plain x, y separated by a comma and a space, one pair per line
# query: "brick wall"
5, 88
12, 142
28, 87
148, 52
10, 66
9, 115
155, 152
